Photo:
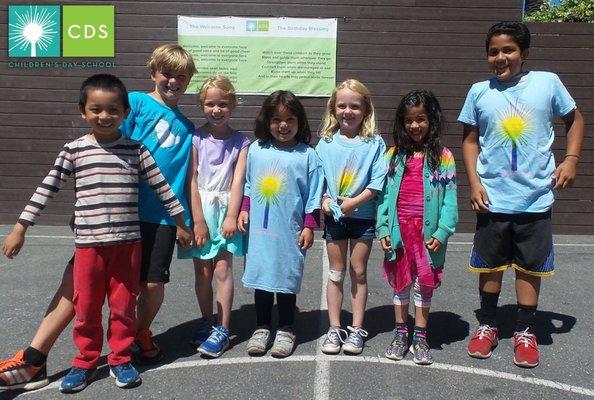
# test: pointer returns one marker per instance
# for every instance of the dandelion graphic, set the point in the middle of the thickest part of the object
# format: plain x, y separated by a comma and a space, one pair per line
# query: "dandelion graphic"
270, 187
33, 27
514, 127
347, 177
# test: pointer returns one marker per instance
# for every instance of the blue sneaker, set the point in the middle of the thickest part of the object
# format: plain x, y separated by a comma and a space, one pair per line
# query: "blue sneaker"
202, 332
126, 375
77, 379
217, 342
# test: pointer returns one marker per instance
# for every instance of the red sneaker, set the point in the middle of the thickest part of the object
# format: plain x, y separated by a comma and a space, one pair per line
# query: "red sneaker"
16, 373
144, 349
483, 342
525, 349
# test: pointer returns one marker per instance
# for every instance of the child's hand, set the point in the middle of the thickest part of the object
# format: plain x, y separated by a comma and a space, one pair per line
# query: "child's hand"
433, 244
14, 241
183, 236
386, 243
347, 205
565, 173
479, 200
306, 238
326, 206
200, 233
242, 221
229, 227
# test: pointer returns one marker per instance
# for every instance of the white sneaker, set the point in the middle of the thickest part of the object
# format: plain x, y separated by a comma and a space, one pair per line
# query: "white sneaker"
284, 343
259, 342
334, 340
354, 342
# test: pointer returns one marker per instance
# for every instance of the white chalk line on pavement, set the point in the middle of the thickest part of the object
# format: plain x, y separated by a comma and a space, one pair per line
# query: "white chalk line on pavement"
322, 375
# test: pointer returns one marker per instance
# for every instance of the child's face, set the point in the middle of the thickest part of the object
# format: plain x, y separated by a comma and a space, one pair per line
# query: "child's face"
104, 112
505, 57
283, 127
170, 86
416, 124
350, 110
217, 108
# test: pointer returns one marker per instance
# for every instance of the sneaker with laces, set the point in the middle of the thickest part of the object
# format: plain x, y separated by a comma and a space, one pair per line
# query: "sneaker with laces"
144, 349
398, 347
216, 344
77, 379
526, 352
483, 342
126, 375
354, 342
334, 340
421, 351
259, 342
203, 331
284, 343
17, 373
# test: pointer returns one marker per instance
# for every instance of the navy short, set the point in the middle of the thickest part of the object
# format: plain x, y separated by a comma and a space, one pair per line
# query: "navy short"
158, 243
348, 228
521, 241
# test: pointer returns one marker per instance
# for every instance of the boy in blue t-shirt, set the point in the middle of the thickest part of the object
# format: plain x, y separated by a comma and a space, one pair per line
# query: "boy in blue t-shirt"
156, 122
508, 133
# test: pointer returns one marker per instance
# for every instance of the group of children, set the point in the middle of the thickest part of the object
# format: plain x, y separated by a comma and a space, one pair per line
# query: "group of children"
271, 192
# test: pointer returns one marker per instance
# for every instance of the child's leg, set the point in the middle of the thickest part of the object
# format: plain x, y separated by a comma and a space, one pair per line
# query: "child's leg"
360, 250
527, 292
123, 276
489, 289
203, 274
422, 295
337, 255
264, 301
287, 303
223, 273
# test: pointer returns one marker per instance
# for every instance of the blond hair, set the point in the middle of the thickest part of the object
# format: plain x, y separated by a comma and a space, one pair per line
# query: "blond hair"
218, 82
330, 123
171, 58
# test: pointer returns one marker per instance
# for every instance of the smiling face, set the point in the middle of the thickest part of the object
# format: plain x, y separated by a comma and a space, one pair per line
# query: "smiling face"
283, 127
416, 124
169, 86
217, 109
505, 57
104, 112
350, 110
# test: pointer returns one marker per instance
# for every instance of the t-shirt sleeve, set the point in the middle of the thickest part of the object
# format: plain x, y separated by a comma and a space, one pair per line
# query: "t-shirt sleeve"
129, 123
316, 183
248, 175
562, 102
378, 167
468, 114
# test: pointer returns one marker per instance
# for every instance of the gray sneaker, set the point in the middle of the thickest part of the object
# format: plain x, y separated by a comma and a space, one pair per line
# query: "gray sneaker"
284, 342
259, 342
397, 349
422, 352
354, 342
334, 340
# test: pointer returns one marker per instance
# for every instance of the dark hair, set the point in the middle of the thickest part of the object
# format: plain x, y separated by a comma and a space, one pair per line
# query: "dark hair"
105, 82
404, 144
516, 30
282, 99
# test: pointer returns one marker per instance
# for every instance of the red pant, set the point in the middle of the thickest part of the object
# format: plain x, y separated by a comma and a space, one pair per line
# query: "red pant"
112, 270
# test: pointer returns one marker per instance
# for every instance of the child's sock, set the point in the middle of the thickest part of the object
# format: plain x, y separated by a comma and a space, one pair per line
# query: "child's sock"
34, 356
419, 334
525, 318
487, 314
401, 327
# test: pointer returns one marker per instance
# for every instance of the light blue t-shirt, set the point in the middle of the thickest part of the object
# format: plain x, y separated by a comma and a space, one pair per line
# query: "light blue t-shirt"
167, 134
283, 186
515, 124
351, 166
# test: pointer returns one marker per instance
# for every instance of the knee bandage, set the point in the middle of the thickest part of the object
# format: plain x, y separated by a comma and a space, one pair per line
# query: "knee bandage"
336, 276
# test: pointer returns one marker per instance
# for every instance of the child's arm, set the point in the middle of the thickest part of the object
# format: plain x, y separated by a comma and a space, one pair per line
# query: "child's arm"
381, 218
230, 223
566, 171
15, 240
200, 229
348, 204
470, 151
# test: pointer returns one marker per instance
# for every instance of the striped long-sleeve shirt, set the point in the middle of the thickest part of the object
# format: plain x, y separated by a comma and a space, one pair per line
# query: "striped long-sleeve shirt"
106, 180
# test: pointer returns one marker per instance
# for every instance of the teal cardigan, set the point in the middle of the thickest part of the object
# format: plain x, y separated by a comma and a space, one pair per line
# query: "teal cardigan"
440, 210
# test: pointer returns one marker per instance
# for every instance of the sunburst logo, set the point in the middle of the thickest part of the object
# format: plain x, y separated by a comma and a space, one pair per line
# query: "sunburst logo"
33, 31
269, 187
346, 178
515, 126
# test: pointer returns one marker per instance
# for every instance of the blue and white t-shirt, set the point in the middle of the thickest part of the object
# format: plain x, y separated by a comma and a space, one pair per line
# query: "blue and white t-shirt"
167, 134
515, 125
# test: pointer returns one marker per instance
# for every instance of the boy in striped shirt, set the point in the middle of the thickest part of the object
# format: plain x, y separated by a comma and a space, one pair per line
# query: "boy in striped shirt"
106, 168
